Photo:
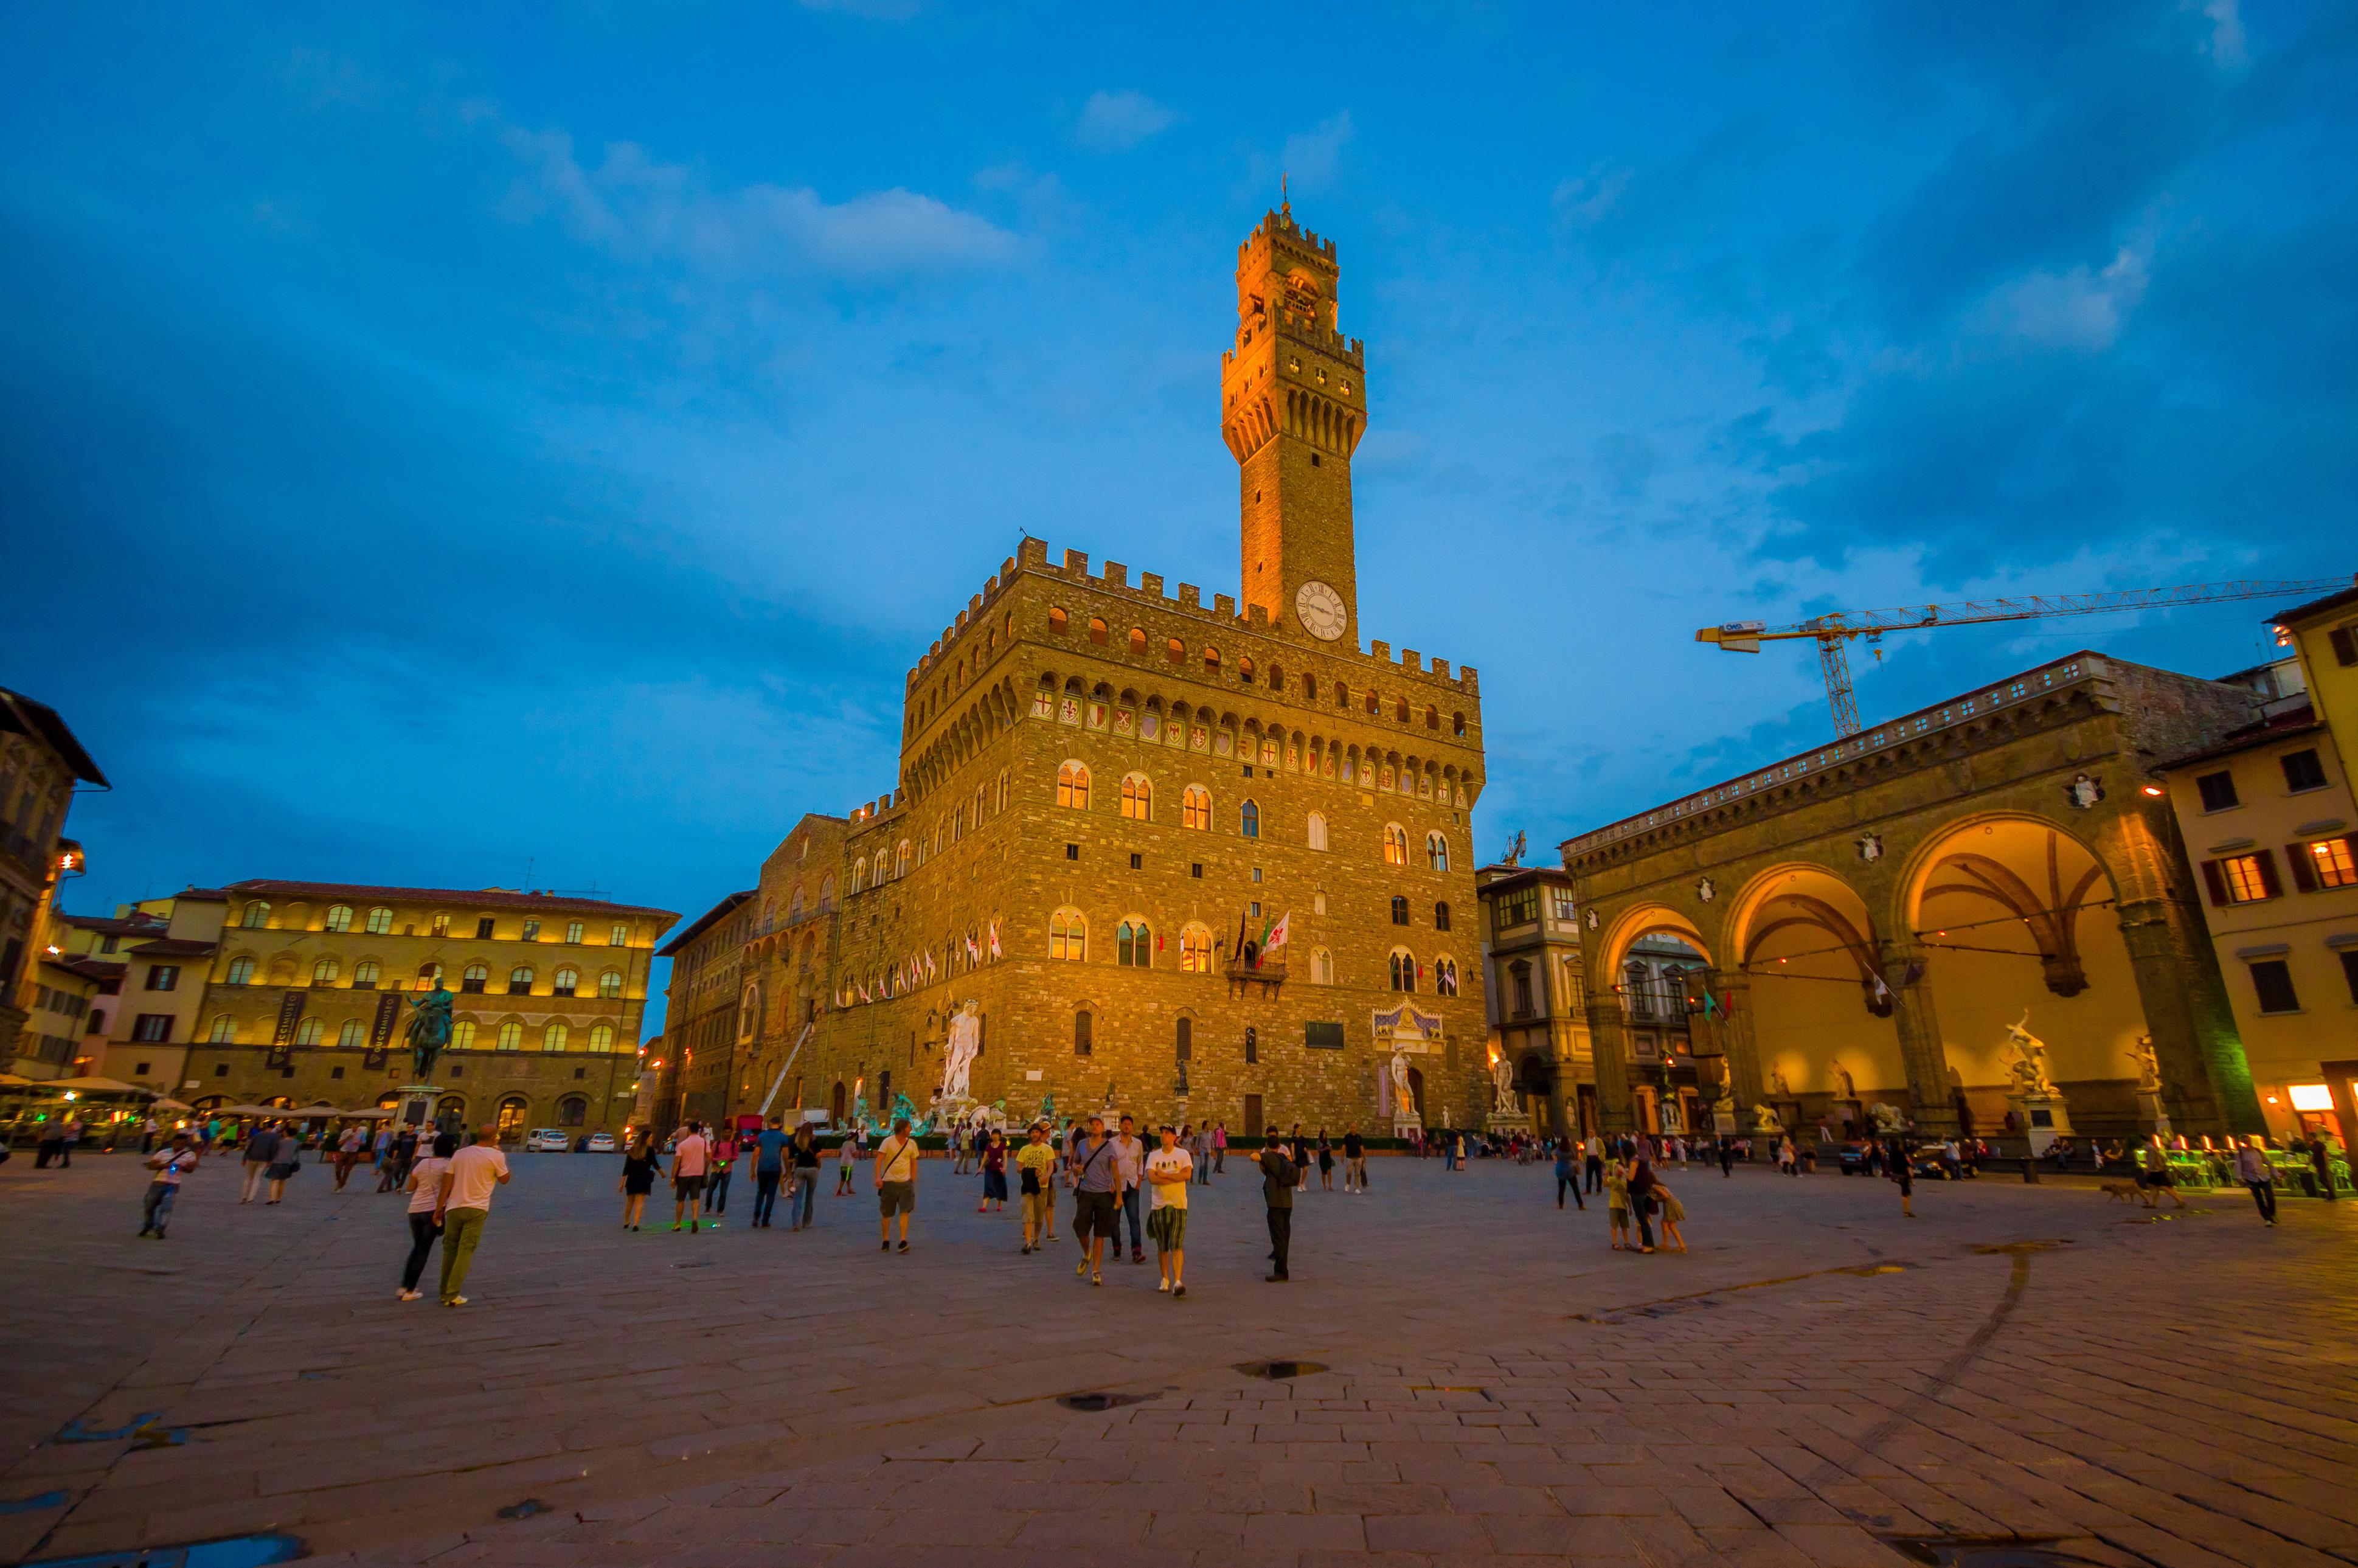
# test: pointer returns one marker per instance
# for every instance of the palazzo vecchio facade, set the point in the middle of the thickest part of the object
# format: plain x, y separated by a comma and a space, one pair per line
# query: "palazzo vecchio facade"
1110, 794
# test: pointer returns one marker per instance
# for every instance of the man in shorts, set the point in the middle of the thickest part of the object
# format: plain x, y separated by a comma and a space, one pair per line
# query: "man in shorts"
690, 1158
1355, 1162
1096, 1180
896, 1182
1168, 1172
1035, 1167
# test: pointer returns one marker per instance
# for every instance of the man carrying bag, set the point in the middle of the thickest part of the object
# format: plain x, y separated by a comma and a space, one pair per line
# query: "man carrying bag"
1277, 1178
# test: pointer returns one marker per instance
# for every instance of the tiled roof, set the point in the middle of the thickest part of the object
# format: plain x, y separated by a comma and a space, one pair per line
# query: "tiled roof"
109, 926
173, 947
25, 717
457, 898
702, 922
2316, 607
2285, 726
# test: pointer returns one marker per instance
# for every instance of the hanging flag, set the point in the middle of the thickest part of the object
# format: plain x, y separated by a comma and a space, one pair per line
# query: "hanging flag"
1276, 934
994, 940
973, 953
930, 969
1882, 992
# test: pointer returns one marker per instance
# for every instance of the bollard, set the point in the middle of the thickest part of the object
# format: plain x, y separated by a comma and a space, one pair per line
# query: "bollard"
2030, 1169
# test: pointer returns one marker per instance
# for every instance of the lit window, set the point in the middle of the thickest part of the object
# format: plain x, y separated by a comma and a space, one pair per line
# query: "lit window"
1174, 650
474, 980
511, 1037
339, 918
2329, 861
324, 972
609, 984
241, 971
1195, 808
429, 976
532, 931
1068, 935
1395, 845
565, 982
2249, 878
1058, 620
348, 1038
601, 1038
619, 937
1137, 798
1097, 631
1317, 836
225, 1031
1137, 642
1436, 852
1212, 662
860, 874
1195, 950
380, 921
552, 1038
365, 974
1073, 787
440, 925
307, 1032
257, 915
1133, 946
462, 1035
520, 980
573, 931
901, 860
1249, 821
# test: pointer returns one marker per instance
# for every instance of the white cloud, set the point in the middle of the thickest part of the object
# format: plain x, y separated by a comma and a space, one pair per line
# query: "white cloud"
1593, 198
1312, 158
2076, 309
2227, 43
639, 208
1116, 121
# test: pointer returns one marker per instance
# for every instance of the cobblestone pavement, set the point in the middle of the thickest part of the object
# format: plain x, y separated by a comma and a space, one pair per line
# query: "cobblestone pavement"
1818, 1379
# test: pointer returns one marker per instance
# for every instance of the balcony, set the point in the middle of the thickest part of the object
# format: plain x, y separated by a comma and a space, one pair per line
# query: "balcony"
1269, 974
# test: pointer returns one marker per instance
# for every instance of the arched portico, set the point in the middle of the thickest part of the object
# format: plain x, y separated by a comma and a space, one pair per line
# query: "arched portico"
1821, 1016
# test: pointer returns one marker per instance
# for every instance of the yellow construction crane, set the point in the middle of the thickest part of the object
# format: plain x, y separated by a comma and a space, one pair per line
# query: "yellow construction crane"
1833, 630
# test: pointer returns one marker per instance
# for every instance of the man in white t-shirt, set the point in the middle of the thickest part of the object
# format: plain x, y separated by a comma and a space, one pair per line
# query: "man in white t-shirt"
1168, 1170
170, 1164
896, 1182
464, 1204
691, 1158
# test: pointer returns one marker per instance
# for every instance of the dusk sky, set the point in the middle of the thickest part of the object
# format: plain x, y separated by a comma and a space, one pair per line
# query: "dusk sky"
464, 446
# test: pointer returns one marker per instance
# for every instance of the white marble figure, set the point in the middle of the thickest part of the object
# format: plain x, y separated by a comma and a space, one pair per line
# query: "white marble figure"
2025, 1058
1886, 1117
1502, 1088
965, 1039
1403, 1102
1765, 1123
2148, 1060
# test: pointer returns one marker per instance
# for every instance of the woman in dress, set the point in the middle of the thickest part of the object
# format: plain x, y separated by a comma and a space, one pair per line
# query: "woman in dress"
285, 1162
641, 1166
1325, 1162
1674, 1212
994, 1174
1642, 1185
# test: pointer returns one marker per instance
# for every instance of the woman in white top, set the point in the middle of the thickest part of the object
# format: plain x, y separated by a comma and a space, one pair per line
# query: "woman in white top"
425, 1189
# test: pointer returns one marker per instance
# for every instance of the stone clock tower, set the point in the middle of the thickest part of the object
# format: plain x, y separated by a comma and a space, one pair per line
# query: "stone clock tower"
1294, 401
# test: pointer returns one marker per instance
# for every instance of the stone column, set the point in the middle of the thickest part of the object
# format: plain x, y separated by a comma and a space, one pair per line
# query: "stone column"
1734, 989
2206, 1085
1608, 1045
1561, 1066
1933, 1103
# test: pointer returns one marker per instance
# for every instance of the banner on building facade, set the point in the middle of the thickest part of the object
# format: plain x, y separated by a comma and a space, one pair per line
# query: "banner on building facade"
388, 1014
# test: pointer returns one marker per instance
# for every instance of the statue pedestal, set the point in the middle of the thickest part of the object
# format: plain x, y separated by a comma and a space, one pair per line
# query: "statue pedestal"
1506, 1122
2044, 1118
2151, 1116
1406, 1127
416, 1107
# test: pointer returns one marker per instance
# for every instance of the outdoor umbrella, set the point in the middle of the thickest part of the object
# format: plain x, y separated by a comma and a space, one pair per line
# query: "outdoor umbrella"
94, 1087
167, 1103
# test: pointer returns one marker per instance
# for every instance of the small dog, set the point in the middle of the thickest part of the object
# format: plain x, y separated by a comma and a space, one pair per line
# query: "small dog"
2119, 1192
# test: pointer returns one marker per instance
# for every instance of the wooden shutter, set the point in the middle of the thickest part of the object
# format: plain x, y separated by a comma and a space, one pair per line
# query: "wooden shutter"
2215, 881
2304, 875
2345, 644
2269, 884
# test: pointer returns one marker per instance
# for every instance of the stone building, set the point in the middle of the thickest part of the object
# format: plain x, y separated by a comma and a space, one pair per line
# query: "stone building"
304, 1002
1201, 862
155, 957
1875, 916
1538, 993
2269, 817
700, 1017
40, 762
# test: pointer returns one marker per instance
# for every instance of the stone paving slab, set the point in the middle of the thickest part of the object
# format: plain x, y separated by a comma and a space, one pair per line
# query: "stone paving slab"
1817, 1380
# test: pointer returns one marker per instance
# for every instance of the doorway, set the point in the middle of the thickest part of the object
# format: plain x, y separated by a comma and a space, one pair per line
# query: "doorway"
1416, 1091
1252, 1116
512, 1116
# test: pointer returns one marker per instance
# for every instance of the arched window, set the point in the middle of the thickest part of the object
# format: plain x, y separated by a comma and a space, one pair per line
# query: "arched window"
1058, 620
1249, 821
1211, 660
1322, 966
1068, 935
1195, 950
1097, 631
1137, 642
1445, 977
1138, 798
1244, 670
1432, 719
225, 1031
520, 980
1310, 688
1133, 946
1403, 971
1317, 834
609, 984
826, 883
240, 972
860, 874
350, 1037
1195, 808
1184, 1040
1084, 1034
1395, 844
1399, 910
365, 974
462, 1035
565, 982
340, 917
257, 915
474, 980
1457, 724
514, 1109
1436, 852
324, 972
552, 1038
794, 903
428, 975
602, 1037
307, 1032
571, 1111
511, 1037
1400, 709
901, 860
1073, 787
1440, 917
380, 921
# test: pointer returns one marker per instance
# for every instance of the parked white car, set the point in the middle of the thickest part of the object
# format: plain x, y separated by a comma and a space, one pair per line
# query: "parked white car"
601, 1143
547, 1141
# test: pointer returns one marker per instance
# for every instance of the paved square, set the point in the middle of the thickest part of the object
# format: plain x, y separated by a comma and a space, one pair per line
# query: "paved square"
1817, 1378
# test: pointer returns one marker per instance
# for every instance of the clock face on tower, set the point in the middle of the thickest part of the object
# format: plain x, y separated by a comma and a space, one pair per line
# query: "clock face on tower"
1321, 610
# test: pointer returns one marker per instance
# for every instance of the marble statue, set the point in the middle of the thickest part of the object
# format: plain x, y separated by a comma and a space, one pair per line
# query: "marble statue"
2148, 1060
2025, 1059
966, 1040
1502, 1087
1765, 1122
1886, 1117
1403, 1101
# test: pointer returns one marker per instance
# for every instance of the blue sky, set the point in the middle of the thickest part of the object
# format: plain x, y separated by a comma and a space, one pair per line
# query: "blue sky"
452, 446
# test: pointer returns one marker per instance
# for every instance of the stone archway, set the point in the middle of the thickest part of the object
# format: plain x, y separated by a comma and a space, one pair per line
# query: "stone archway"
1609, 1019
1811, 979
